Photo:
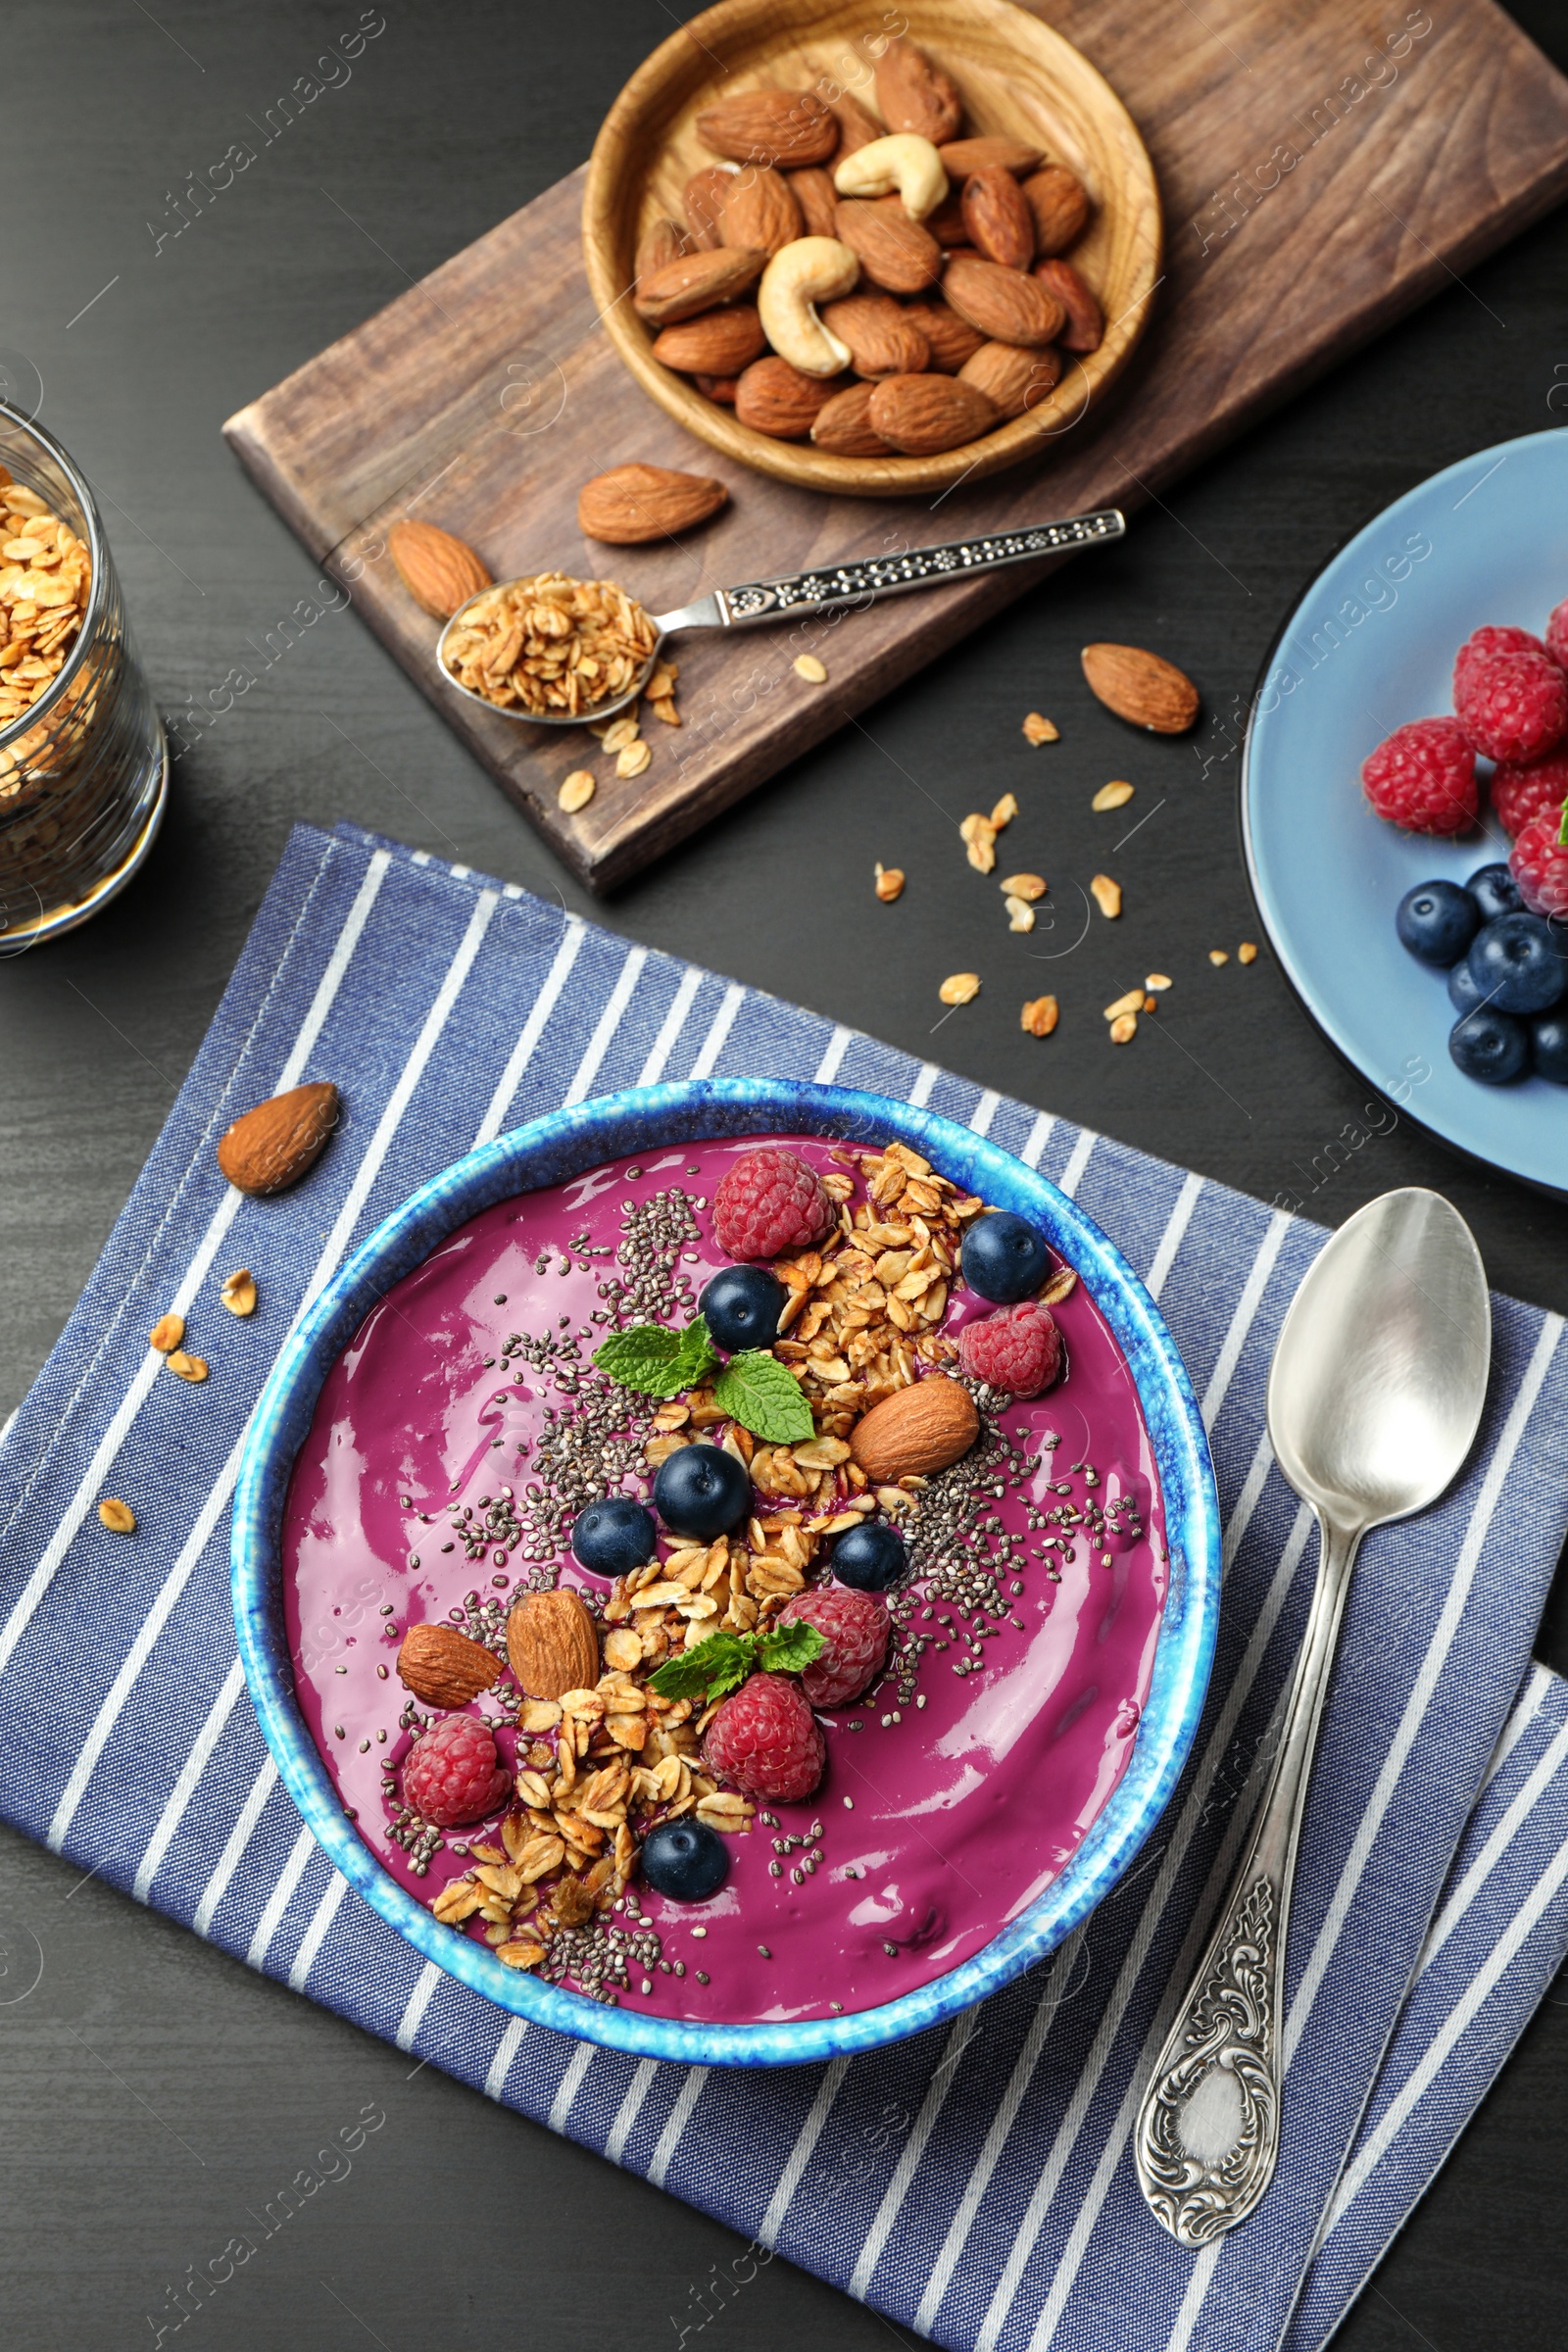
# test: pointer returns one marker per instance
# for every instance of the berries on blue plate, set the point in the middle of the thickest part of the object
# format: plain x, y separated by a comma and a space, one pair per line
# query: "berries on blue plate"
1548, 1046
685, 1860
1005, 1259
741, 1307
1437, 921
870, 1557
1495, 891
702, 1490
1490, 1046
1515, 963
1465, 993
614, 1535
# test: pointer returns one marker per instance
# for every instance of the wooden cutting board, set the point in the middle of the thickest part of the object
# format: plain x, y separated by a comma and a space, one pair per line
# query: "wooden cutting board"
1324, 168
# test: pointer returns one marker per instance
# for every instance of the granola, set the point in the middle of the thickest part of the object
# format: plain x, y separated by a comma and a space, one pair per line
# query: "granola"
550, 645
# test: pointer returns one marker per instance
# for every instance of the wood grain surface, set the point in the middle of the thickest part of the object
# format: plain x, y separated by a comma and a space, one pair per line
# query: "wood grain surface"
1360, 162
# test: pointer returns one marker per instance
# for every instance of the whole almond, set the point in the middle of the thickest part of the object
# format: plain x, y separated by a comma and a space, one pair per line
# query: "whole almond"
843, 426
760, 211
552, 1644
443, 1668
1059, 203
1016, 376
715, 343
895, 251
922, 414
697, 281
274, 1145
770, 126
914, 94
813, 191
660, 243
882, 338
776, 399
632, 504
997, 217
1086, 320
1140, 687
950, 339
438, 571
857, 125
947, 222
703, 203
718, 387
1002, 304
916, 1431
960, 156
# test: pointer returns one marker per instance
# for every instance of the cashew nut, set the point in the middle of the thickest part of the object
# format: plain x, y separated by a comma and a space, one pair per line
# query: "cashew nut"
802, 273
904, 161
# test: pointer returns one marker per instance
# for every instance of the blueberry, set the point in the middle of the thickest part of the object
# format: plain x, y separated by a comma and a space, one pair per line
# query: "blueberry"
1548, 1046
1515, 962
1465, 993
1495, 891
1489, 1046
870, 1556
1437, 921
613, 1537
685, 1860
702, 1490
741, 1306
1005, 1259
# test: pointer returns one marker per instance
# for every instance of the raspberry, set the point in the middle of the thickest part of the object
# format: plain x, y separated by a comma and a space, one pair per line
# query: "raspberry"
1523, 791
1423, 777
1511, 705
1539, 863
454, 1774
770, 1200
1557, 633
1481, 644
1019, 1348
855, 1628
766, 1740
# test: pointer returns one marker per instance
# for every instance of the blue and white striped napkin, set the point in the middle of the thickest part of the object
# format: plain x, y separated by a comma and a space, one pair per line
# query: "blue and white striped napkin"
973, 2184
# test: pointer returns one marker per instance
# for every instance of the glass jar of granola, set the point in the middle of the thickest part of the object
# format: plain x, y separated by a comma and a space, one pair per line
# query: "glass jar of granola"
84, 765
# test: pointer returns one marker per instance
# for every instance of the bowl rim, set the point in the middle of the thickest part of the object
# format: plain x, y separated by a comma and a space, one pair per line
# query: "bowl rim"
549, 1151
800, 463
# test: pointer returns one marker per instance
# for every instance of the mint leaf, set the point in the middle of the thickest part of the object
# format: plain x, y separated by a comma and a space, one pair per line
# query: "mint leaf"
656, 1362
789, 1648
760, 1392
716, 1665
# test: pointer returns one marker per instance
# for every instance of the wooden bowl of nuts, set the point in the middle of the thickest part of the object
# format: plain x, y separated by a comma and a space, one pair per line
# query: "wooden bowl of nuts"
870, 250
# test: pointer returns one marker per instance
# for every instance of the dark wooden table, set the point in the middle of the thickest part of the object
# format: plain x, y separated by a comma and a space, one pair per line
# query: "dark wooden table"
153, 2088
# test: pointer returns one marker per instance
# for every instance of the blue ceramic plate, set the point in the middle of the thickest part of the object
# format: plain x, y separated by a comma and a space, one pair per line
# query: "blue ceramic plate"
549, 1153
1371, 645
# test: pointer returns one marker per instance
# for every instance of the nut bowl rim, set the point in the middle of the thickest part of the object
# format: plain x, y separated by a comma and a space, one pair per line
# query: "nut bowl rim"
606, 259
548, 1151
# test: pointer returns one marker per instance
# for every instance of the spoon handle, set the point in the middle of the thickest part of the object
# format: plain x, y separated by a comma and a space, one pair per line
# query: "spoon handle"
1208, 2135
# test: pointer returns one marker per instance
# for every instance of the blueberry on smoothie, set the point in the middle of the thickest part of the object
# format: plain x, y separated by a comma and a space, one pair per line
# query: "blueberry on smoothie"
685, 1860
1005, 1259
1489, 1046
702, 1490
614, 1536
741, 1307
1515, 962
870, 1557
1495, 891
1437, 921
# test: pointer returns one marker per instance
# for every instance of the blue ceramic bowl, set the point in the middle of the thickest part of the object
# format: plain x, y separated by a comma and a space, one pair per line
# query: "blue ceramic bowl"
617, 1126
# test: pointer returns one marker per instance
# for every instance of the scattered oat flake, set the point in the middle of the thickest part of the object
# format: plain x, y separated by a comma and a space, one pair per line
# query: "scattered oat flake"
1107, 895
116, 1516
576, 791
1040, 730
1025, 886
633, 758
663, 682
663, 707
889, 883
619, 733
1124, 1028
167, 1333
187, 1367
808, 666
1113, 796
1247, 953
960, 987
1006, 809
1157, 981
1132, 1001
1038, 1016
979, 836
1218, 956
238, 1292
1020, 914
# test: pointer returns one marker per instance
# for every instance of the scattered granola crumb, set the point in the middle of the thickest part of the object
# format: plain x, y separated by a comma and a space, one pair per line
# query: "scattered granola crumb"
1157, 981
959, 987
116, 1516
1038, 1016
1020, 914
238, 1292
1006, 809
1107, 895
1040, 730
808, 666
167, 1333
187, 1367
1025, 886
1113, 796
1218, 956
619, 733
979, 836
576, 791
663, 707
1124, 1029
1151, 1004
889, 882
1132, 1001
1247, 953
633, 758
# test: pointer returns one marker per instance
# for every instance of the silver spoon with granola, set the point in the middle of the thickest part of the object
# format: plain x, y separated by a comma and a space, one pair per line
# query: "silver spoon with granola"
557, 650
